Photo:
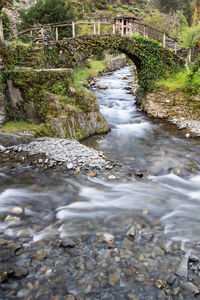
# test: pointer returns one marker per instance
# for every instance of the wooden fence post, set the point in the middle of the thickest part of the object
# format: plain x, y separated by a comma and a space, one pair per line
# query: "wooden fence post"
144, 31
56, 34
95, 28
42, 33
175, 50
122, 27
190, 56
99, 27
114, 29
73, 29
164, 40
1, 29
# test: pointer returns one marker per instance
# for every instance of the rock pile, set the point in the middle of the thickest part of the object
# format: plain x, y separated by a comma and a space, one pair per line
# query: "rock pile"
61, 151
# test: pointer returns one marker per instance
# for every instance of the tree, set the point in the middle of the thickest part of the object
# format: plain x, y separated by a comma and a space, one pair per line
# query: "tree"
190, 35
167, 6
48, 11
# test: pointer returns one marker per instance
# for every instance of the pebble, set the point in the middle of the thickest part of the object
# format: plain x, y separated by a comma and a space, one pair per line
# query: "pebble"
131, 231
70, 166
67, 243
112, 177
190, 286
71, 153
114, 279
3, 275
105, 238
182, 269
2, 148
92, 174
10, 218
16, 210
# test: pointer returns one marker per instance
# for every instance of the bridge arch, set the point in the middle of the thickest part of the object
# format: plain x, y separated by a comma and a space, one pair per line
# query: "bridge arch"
149, 57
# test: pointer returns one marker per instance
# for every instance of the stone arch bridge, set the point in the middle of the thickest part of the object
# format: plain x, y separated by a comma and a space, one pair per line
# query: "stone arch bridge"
150, 58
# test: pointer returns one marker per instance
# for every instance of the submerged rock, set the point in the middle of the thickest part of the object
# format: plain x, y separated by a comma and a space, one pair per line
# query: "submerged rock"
182, 269
105, 238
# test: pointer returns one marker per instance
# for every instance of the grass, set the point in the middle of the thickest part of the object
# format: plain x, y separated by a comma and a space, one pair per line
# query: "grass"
20, 126
173, 82
81, 75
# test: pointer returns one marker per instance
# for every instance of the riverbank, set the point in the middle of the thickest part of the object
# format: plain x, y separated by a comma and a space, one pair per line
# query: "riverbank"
67, 235
63, 107
172, 107
176, 100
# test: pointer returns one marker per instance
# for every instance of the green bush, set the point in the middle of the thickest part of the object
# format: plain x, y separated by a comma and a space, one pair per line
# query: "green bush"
196, 64
193, 82
48, 11
102, 4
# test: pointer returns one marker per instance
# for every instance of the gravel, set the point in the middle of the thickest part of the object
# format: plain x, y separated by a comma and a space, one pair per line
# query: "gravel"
57, 151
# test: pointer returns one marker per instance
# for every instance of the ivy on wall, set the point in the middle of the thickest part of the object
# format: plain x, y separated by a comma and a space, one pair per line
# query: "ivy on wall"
150, 58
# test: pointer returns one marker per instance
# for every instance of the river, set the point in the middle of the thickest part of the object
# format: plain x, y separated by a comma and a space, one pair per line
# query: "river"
149, 208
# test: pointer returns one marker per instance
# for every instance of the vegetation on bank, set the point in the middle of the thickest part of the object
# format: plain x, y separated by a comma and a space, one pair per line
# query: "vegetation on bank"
22, 126
90, 69
184, 81
183, 88
50, 95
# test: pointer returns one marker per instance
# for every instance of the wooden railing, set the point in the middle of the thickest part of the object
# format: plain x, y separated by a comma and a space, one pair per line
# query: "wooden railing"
133, 27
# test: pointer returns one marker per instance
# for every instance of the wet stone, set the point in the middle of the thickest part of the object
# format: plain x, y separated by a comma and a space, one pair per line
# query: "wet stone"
20, 272
105, 238
90, 264
3, 275
131, 232
114, 278
16, 210
191, 287
182, 269
67, 243
10, 218
5, 255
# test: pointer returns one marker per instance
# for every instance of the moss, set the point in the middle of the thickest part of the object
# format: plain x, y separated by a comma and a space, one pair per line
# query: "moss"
150, 58
38, 83
21, 126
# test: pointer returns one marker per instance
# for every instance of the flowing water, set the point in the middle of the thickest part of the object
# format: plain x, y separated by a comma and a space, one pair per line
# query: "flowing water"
55, 206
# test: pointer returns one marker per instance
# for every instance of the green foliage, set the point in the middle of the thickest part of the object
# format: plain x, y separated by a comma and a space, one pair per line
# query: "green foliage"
174, 81
167, 6
100, 56
48, 11
196, 64
190, 35
6, 55
20, 126
149, 57
91, 69
192, 84
59, 88
38, 83
6, 25
101, 4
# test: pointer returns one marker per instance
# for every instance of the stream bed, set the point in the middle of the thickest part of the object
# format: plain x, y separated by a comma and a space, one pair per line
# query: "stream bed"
127, 233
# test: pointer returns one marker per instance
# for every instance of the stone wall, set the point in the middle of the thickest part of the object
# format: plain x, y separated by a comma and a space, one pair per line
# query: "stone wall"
49, 97
2, 96
116, 63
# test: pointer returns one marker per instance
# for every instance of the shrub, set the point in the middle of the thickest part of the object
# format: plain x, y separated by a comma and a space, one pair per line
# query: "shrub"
193, 82
48, 11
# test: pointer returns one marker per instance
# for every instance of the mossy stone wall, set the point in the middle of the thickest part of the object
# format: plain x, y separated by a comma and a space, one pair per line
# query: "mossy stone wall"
149, 57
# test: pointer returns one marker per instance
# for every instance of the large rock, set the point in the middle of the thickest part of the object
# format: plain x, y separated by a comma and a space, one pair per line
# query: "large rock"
7, 139
2, 108
117, 63
48, 96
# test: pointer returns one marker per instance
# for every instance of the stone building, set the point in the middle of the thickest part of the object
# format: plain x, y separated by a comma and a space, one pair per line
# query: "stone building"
126, 25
